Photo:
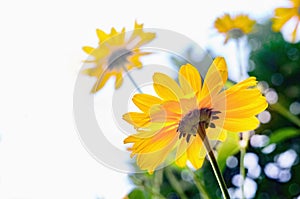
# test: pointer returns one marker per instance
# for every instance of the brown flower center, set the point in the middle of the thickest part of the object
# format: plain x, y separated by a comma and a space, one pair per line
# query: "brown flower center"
190, 123
235, 33
118, 58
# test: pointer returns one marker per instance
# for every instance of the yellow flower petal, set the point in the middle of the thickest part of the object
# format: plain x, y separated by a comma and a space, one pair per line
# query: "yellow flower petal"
166, 87
294, 33
136, 119
215, 78
101, 81
119, 80
241, 124
102, 36
190, 80
216, 134
144, 101
245, 110
181, 155
195, 152
88, 49
282, 15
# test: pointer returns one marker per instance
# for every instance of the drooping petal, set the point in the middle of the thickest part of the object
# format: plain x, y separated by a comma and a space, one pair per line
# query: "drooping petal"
101, 81
150, 161
152, 151
196, 152
181, 154
119, 80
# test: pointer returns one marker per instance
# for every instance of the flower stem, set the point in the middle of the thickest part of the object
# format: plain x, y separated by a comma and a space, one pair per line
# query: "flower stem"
242, 169
158, 178
175, 184
213, 161
244, 138
199, 185
132, 80
239, 58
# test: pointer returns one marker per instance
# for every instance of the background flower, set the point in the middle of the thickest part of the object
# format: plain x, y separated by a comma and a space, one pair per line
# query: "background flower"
284, 15
234, 27
116, 54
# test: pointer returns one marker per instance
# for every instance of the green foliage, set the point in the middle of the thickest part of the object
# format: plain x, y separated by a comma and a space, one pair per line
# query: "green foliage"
138, 194
228, 148
283, 134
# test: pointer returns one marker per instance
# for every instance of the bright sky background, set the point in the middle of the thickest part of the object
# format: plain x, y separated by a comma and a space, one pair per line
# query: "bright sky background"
41, 155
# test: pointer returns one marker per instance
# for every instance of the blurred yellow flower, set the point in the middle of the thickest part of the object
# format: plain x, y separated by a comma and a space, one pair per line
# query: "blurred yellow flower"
175, 120
116, 54
234, 27
283, 15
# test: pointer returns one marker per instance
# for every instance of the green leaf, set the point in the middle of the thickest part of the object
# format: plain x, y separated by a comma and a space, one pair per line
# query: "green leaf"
136, 194
228, 148
283, 134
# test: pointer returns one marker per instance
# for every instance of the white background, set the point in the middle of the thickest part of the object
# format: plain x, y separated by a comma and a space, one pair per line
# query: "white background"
41, 155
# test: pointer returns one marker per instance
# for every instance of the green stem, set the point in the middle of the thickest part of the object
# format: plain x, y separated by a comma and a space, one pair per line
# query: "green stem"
244, 139
239, 59
175, 184
285, 113
199, 185
242, 168
146, 186
132, 80
158, 179
213, 161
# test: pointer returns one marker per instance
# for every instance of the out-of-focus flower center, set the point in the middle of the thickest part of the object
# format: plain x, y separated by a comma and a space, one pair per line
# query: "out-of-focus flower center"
118, 58
235, 33
299, 11
189, 125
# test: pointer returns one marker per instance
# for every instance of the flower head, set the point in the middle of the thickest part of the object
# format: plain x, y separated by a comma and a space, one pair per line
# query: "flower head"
283, 15
173, 120
116, 54
234, 27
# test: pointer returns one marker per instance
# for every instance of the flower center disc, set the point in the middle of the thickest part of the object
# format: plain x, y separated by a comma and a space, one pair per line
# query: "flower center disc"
236, 33
118, 58
189, 125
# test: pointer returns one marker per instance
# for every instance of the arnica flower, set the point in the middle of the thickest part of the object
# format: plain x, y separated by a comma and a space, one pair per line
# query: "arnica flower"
283, 15
234, 27
172, 125
116, 54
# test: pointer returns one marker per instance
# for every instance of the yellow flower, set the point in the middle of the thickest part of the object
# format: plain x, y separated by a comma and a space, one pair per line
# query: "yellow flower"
116, 54
171, 122
283, 15
234, 27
